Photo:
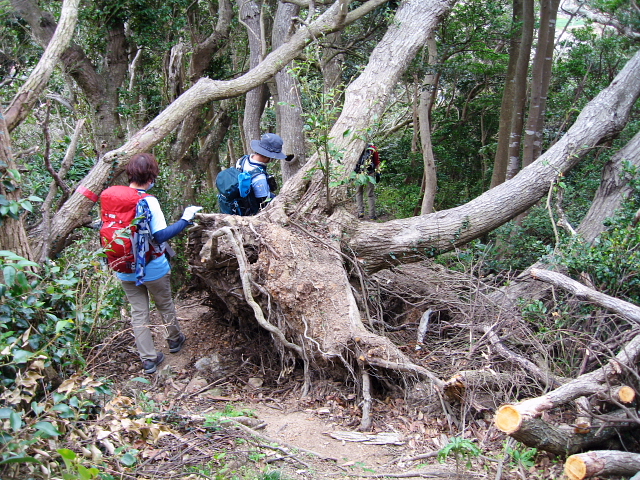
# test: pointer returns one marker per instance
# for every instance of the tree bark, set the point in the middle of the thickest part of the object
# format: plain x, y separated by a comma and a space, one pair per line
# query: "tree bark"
193, 125
101, 90
424, 114
289, 104
256, 98
501, 158
521, 82
510, 418
540, 82
628, 310
614, 188
514, 95
562, 440
601, 463
13, 236
365, 99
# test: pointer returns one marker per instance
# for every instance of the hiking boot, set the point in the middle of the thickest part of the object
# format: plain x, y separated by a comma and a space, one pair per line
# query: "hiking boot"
176, 345
374, 217
361, 215
150, 366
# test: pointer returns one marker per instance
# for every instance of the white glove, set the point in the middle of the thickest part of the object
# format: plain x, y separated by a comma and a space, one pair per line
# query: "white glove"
190, 212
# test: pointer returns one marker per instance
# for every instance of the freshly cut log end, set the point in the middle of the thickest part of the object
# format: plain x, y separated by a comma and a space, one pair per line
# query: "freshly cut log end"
626, 394
601, 463
508, 419
575, 468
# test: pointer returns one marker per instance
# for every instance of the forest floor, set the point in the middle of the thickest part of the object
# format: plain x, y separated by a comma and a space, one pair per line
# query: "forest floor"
223, 408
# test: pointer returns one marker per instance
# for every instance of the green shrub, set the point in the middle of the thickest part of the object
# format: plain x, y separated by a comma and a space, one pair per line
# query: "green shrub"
48, 319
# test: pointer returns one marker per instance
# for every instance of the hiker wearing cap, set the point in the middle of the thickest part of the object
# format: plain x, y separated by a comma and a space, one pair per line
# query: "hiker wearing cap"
263, 185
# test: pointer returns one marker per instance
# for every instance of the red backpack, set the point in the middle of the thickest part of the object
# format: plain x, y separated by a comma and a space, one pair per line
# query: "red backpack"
118, 206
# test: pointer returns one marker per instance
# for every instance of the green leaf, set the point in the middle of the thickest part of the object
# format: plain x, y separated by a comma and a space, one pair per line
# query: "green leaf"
15, 419
128, 460
62, 324
346, 133
67, 454
5, 412
15, 174
19, 460
9, 275
47, 428
33, 198
21, 279
62, 408
87, 473
37, 408
10, 255
27, 263
21, 356
141, 380
26, 204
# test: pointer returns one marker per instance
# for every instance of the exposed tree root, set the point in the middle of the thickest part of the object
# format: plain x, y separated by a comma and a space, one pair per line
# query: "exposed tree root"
302, 281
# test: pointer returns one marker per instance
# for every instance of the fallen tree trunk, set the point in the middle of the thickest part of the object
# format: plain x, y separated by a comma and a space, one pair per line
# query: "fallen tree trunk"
601, 463
509, 418
564, 440
626, 309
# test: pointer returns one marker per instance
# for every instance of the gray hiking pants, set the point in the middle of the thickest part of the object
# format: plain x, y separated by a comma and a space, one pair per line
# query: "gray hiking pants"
371, 199
138, 297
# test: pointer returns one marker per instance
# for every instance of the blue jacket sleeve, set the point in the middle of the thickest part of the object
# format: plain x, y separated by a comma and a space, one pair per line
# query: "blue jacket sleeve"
171, 231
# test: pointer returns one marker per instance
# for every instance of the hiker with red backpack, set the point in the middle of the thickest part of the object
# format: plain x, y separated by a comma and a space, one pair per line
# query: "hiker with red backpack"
367, 175
133, 234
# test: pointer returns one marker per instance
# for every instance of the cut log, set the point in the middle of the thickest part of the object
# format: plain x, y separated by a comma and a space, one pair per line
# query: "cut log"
623, 394
601, 463
510, 417
564, 440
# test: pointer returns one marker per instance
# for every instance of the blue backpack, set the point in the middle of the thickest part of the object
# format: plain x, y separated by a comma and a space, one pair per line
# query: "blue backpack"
235, 196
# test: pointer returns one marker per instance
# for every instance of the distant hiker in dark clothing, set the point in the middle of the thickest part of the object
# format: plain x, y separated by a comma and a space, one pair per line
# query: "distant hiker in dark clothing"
369, 166
144, 269
263, 185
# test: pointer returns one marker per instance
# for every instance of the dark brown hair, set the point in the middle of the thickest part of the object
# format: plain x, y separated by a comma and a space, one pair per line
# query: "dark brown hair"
142, 168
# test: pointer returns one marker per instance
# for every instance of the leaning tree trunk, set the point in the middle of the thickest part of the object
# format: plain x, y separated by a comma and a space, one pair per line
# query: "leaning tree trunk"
365, 99
410, 240
13, 236
614, 188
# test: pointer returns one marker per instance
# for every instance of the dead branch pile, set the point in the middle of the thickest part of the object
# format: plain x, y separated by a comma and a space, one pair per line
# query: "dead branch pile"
600, 403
